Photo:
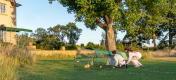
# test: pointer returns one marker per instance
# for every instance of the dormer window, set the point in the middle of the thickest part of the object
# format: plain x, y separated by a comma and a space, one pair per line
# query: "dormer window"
2, 8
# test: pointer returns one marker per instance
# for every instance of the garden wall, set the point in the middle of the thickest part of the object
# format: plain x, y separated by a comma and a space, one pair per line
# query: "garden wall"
63, 52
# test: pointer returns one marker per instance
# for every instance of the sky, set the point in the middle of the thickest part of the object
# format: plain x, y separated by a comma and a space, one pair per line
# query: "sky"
39, 13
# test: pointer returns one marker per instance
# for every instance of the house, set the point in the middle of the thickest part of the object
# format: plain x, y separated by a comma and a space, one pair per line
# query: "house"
8, 28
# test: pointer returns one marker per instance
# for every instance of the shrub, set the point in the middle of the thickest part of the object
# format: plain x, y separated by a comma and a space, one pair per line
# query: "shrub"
71, 47
49, 47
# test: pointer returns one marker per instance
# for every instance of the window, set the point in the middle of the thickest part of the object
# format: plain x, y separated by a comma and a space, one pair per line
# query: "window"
2, 8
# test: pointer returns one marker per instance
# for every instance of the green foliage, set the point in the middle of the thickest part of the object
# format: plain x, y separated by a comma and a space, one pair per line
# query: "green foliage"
49, 46
71, 47
89, 11
82, 45
142, 19
23, 40
92, 45
54, 37
120, 46
73, 33
58, 31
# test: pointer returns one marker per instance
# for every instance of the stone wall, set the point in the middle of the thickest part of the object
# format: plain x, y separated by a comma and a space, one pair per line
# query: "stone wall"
55, 52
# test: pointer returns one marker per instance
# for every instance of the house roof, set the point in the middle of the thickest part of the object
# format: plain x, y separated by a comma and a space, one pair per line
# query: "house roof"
14, 29
13, 2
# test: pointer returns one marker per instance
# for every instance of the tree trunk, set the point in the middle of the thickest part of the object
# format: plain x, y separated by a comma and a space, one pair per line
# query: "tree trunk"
170, 37
110, 42
154, 40
110, 38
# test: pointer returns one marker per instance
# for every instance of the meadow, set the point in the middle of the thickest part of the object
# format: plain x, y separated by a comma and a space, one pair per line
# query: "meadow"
69, 69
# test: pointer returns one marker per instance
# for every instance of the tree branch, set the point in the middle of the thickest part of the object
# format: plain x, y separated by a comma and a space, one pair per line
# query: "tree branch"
118, 1
100, 24
106, 18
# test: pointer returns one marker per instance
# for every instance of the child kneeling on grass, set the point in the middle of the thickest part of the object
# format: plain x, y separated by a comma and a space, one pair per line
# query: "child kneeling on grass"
133, 56
119, 61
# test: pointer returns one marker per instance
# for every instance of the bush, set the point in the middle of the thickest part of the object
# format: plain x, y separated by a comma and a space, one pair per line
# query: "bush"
71, 47
49, 47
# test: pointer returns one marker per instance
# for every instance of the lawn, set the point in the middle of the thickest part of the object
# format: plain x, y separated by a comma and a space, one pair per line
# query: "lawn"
71, 70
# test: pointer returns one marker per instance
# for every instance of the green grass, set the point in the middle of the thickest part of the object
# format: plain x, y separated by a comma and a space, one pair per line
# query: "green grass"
70, 70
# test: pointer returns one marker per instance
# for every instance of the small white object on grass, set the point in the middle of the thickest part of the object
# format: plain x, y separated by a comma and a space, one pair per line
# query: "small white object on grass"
77, 61
101, 66
87, 66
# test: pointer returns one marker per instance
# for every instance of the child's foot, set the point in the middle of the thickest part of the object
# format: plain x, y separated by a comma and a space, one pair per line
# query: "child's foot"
126, 66
114, 67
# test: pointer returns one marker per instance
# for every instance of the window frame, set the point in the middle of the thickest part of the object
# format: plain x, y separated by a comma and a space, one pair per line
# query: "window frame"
2, 8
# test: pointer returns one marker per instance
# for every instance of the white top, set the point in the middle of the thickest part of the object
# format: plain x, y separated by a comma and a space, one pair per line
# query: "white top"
119, 60
133, 56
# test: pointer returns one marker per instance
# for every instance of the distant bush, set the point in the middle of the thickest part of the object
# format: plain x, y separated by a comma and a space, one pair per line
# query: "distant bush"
49, 46
71, 47
97, 46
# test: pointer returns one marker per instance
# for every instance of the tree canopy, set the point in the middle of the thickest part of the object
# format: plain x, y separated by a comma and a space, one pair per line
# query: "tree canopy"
142, 19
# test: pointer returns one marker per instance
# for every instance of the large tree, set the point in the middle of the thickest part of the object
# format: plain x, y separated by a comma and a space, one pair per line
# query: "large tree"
59, 31
102, 13
143, 18
171, 15
73, 33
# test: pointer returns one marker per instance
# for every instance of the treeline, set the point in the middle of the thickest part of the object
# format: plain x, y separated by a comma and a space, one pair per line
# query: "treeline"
57, 36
